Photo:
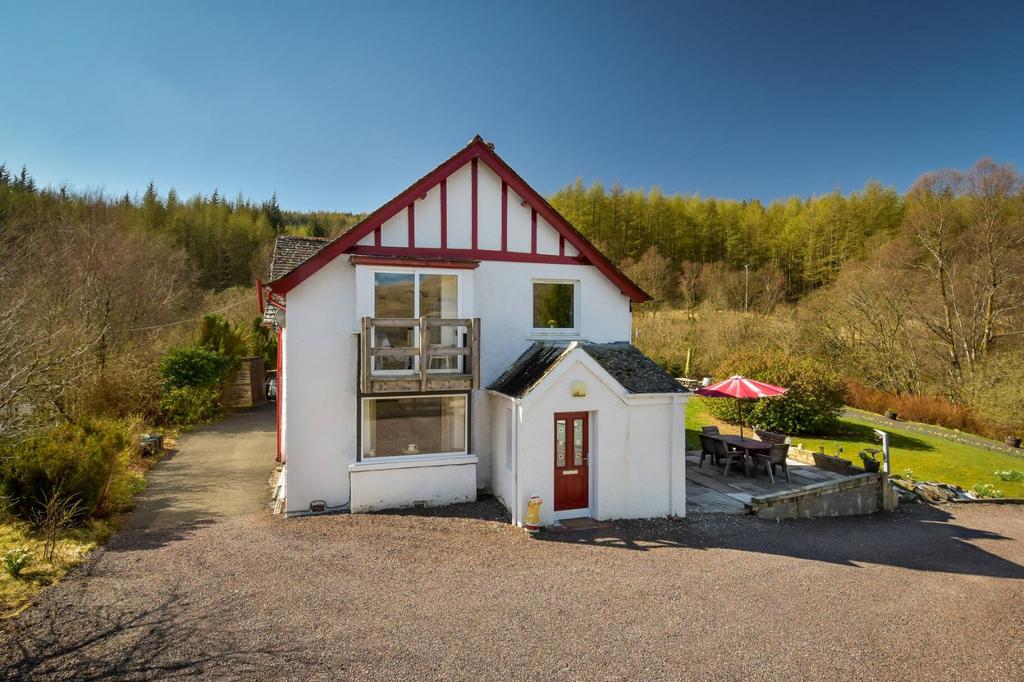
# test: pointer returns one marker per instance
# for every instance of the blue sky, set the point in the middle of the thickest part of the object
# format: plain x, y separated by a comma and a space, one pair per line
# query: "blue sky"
339, 106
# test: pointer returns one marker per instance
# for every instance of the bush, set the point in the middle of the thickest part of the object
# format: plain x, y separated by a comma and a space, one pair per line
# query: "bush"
192, 381
190, 404
194, 366
85, 461
812, 404
14, 561
926, 409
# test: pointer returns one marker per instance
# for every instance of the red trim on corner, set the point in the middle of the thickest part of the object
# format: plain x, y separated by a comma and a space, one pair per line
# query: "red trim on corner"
259, 294
444, 213
533, 230
474, 202
376, 236
476, 149
412, 225
504, 216
561, 245
465, 254
280, 385
426, 262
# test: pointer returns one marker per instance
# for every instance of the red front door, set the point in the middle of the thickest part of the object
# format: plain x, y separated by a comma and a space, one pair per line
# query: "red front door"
572, 460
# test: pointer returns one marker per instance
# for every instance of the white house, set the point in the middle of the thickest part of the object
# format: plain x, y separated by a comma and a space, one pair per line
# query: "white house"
465, 337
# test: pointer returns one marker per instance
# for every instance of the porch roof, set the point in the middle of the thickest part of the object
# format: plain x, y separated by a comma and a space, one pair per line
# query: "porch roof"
633, 370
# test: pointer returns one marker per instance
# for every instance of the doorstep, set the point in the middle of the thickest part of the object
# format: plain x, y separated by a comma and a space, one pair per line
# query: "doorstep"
576, 524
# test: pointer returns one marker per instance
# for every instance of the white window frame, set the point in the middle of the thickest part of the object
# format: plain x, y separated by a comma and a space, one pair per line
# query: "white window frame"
416, 273
557, 332
409, 458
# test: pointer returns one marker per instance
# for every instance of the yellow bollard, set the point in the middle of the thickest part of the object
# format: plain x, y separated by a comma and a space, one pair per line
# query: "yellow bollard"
532, 520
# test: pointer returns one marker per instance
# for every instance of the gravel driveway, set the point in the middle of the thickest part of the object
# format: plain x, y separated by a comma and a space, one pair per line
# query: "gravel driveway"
457, 593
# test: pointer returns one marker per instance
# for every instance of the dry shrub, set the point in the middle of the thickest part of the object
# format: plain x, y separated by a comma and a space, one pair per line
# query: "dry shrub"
926, 409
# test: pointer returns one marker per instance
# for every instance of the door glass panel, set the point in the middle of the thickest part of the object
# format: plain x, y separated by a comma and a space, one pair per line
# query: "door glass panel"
394, 297
560, 443
577, 442
439, 298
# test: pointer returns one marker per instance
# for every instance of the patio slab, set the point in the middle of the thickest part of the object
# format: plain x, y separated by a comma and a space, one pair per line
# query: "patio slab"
708, 491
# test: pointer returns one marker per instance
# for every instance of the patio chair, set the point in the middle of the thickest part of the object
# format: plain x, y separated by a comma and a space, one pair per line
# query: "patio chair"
775, 457
707, 449
710, 430
729, 454
770, 437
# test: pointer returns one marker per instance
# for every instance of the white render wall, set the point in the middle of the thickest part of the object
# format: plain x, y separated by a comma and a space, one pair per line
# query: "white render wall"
637, 460
321, 359
404, 482
320, 373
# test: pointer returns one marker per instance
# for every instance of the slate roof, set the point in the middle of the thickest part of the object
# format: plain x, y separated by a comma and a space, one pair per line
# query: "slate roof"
634, 371
290, 252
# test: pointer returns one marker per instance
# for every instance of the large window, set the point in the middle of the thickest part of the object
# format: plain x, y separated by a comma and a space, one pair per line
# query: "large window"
411, 295
420, 425
554, 305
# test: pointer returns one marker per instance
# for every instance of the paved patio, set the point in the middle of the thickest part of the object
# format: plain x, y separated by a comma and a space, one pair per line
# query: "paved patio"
707, 490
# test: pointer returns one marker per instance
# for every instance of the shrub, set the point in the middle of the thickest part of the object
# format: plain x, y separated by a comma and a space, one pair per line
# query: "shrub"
1011, 475
190, 404
14, 561
216, 333
812, 404
82, 460
926, 409
194, 366
986, 490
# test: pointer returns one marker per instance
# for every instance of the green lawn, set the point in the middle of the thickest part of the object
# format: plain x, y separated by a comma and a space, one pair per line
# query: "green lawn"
928, 458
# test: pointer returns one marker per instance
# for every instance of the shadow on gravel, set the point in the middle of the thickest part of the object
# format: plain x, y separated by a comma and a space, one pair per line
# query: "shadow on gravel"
85, 642
922, 539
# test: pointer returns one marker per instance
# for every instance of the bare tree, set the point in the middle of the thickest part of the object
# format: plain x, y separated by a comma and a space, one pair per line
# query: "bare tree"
969, 229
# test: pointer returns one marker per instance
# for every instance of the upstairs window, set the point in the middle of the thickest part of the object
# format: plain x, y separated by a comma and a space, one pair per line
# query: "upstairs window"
554, 305
411, 295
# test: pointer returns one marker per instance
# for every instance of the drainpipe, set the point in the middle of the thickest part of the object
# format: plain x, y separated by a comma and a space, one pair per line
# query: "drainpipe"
517, 415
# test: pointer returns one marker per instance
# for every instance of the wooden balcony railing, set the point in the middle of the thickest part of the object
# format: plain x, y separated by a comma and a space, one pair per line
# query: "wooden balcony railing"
412, 368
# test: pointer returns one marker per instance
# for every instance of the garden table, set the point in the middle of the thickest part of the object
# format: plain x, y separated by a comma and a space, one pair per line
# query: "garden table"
751, 447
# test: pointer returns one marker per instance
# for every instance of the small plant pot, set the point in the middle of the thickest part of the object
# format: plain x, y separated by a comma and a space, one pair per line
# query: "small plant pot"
1013, 441
872, 466
891, 414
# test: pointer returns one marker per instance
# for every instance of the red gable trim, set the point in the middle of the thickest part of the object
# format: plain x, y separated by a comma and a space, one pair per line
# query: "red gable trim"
444, 214
476, 149
475, 255
412, 224
474, 201
413, 262
504, 216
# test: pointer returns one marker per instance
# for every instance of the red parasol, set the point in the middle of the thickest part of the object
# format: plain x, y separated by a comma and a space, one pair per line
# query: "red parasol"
740, 388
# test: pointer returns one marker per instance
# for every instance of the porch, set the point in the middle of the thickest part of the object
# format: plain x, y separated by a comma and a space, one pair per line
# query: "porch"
709, 491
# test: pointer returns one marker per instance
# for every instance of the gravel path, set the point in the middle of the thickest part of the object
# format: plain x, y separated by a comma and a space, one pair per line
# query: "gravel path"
457, 593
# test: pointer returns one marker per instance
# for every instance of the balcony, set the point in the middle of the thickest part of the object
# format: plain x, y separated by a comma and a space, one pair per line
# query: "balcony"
425, 355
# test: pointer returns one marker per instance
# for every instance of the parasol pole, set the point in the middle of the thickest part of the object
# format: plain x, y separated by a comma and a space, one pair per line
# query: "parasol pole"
739, 406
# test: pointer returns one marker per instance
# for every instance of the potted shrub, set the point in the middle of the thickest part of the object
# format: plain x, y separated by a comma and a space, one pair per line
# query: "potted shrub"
891, 414
1013, 441
870, 459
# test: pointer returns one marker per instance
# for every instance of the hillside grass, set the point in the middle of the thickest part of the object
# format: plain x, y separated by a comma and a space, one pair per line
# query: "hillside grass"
16, 593
928, 458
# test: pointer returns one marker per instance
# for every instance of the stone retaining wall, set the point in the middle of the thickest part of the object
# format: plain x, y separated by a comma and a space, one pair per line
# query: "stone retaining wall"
858, 494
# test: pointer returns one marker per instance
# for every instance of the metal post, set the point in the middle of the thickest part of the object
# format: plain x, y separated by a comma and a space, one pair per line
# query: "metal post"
884, 436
